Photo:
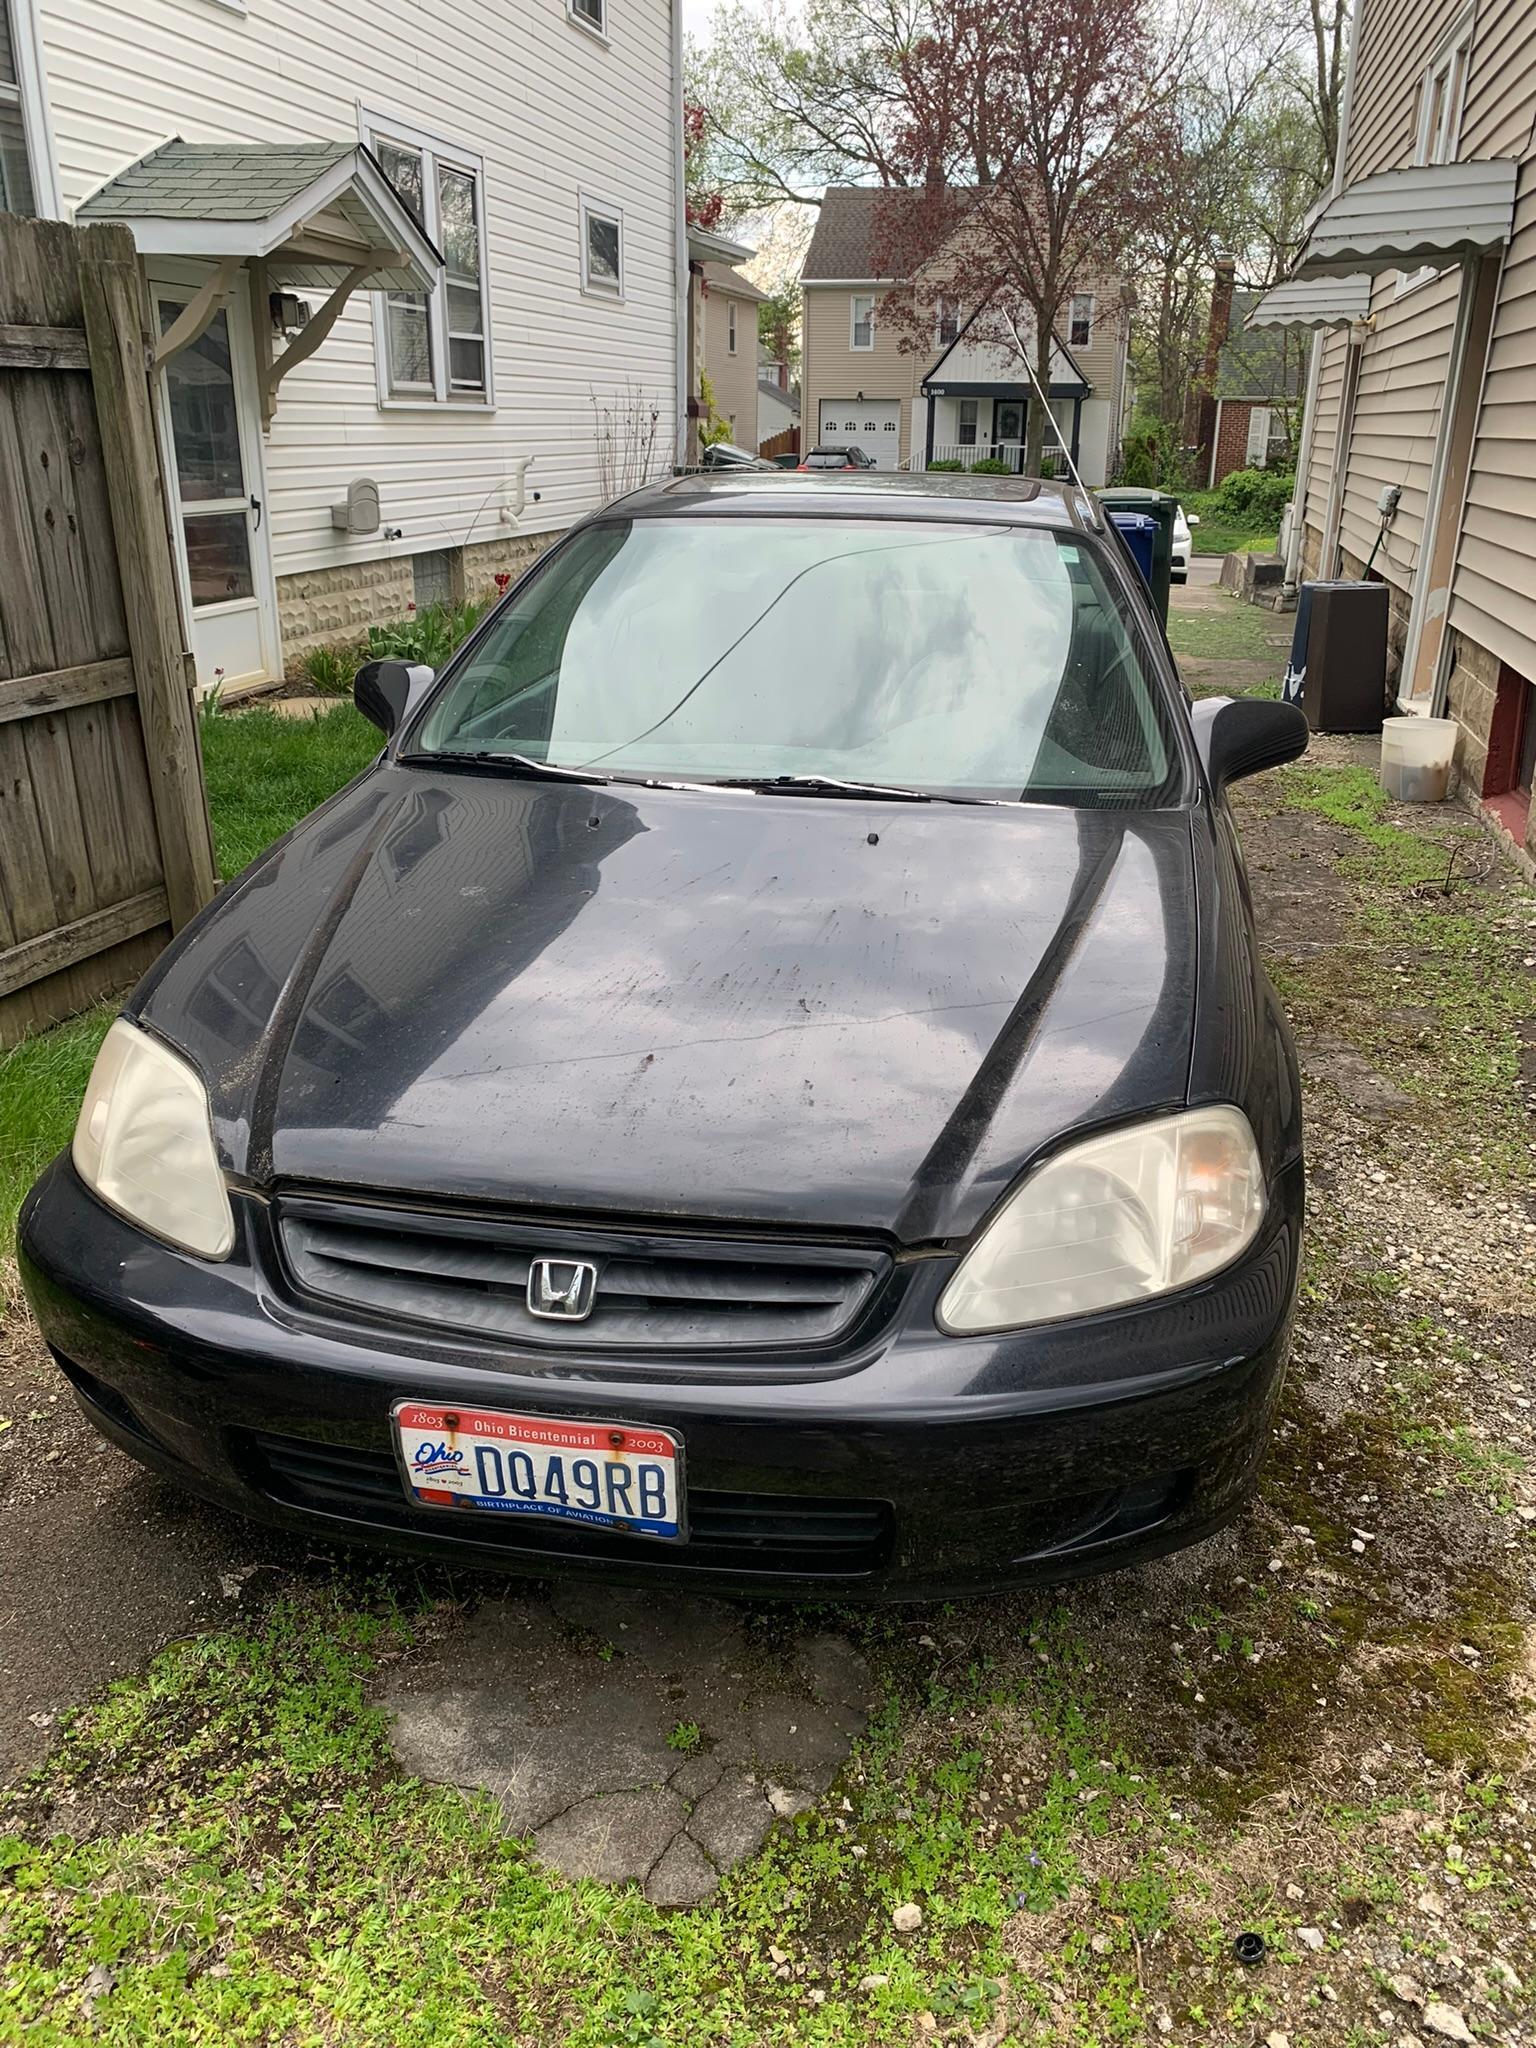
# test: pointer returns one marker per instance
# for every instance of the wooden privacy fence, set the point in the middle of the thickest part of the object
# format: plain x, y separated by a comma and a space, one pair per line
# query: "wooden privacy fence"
104, 841
785, 443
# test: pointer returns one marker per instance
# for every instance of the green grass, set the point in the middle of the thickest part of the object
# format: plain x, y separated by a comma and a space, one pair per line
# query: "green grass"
1421, 934
1219, 534
262, 1870
41, 1083
1233, 632
264, 773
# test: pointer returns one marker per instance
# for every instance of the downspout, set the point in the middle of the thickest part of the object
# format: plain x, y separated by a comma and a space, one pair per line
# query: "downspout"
1320, 339
682, 280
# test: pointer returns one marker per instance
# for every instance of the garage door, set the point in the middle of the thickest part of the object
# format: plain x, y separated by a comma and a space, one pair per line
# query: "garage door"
873, 424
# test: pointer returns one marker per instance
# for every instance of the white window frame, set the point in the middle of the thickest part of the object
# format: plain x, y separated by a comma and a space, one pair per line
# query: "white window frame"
32, 94
1436, 141
376, 127
589, 204
1437, 127
1081, 299
947, 309
974, 423
1257, 415
598, 29
855, 300
730, 321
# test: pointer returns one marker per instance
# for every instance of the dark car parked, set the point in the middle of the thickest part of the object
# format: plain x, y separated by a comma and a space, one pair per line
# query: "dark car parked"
838, 459
767, 1081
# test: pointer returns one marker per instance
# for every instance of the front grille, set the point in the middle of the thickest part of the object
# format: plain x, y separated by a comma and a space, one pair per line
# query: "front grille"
653, 1292
791, 1535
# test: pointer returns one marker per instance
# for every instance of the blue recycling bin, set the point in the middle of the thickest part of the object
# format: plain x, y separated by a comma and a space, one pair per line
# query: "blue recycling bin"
1140, 533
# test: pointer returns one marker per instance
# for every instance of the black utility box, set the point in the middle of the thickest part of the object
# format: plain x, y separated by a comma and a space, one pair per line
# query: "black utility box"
1338, 669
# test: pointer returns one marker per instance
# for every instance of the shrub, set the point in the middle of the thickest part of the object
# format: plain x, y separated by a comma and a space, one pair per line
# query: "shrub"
330, 670
1258, 495
428, 636
990, 465
947, 465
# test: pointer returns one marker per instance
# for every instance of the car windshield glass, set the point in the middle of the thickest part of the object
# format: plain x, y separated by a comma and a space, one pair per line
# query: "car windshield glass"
829, 458
985, 660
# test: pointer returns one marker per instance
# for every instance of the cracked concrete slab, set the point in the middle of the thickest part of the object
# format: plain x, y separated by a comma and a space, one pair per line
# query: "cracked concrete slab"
632, 1737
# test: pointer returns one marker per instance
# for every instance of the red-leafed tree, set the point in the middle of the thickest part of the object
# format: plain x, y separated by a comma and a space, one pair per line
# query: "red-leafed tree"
703, 201
1053, 109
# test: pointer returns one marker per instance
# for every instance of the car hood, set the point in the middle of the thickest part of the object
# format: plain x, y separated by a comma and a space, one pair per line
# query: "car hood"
822, 1011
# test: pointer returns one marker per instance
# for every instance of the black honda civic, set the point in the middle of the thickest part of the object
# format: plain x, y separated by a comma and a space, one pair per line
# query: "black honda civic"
766, 1082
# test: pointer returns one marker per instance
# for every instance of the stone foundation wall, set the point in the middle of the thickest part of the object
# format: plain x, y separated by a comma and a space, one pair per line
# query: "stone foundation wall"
1469, 700
335, 607
1311, 553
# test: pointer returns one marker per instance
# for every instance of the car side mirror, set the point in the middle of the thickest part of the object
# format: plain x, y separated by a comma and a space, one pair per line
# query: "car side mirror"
1240, 736
382, 691
1192, 519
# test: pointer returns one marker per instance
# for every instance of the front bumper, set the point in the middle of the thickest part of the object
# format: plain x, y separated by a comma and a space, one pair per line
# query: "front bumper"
917, 1466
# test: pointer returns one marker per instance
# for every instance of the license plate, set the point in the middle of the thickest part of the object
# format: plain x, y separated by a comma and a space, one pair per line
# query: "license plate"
607, 1475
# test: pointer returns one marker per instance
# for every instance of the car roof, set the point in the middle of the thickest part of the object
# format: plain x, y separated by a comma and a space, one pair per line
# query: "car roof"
867, 494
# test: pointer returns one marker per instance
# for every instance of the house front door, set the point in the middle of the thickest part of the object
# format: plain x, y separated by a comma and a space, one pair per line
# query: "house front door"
209, 420
1008, 432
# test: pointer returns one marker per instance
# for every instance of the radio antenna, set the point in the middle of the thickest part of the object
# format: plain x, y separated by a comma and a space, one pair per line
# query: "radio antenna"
1029, 370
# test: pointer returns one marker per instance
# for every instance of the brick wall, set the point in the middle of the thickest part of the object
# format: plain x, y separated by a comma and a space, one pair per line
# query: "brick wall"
1232, 438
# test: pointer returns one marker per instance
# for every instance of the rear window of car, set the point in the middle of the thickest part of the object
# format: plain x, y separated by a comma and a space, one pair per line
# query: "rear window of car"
829, 458
959, 659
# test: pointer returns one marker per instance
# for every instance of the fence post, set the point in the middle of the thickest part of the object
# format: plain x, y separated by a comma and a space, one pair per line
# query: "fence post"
114, 326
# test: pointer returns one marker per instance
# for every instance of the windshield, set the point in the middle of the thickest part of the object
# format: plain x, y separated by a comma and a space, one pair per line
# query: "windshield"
982, 660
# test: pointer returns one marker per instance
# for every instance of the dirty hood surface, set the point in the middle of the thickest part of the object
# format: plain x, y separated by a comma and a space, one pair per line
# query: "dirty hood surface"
722, 1005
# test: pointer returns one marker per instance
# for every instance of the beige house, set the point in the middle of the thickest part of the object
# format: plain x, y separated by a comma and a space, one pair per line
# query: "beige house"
730, 349
1418, 451
965, 399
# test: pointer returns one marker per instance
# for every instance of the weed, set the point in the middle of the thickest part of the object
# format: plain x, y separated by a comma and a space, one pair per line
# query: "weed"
686, 1737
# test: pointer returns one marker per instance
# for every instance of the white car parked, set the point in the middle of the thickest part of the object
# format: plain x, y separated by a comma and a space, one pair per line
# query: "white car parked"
1183, 545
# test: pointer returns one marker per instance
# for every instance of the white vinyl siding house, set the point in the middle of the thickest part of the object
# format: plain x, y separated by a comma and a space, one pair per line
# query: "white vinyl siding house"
539, 145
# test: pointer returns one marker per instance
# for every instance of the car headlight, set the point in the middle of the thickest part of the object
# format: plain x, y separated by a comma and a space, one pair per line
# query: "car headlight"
1115, 1219
144, 1143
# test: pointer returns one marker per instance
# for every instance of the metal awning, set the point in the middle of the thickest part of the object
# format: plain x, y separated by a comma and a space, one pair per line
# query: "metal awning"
1400, 220
315, 213
1314, 302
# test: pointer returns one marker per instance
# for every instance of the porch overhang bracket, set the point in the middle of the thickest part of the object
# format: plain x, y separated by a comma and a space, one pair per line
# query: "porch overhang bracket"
200, 309
272, 372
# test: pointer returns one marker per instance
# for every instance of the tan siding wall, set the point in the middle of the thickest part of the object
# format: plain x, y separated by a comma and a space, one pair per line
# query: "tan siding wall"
1501, 92
831, 369
1493, 598
1396, 38
1397, 414
734, 377
1325, 433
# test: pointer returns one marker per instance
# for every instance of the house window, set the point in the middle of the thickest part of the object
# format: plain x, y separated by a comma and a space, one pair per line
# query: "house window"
434, 346
967, 427
1257, 453
1441, 92
17, 191
602, 249
861, 309
1080, 328
589, 14
949, 322
730, 327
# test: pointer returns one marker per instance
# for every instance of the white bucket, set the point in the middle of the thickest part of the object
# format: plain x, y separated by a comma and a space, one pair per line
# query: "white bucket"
1416, 756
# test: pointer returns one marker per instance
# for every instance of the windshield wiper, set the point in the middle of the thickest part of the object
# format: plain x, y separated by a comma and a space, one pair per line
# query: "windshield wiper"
837, 785
517, 764
823, 785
